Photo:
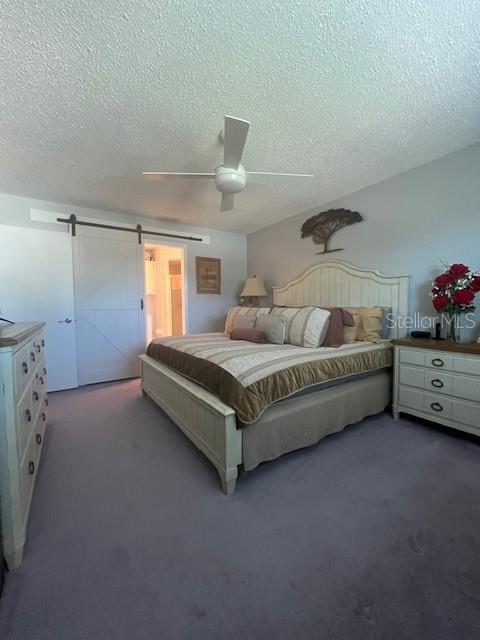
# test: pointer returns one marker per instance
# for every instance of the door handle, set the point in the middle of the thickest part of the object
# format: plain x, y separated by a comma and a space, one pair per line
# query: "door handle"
67, 320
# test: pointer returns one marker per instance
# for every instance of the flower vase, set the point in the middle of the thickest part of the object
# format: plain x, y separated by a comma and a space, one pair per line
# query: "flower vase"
453, 327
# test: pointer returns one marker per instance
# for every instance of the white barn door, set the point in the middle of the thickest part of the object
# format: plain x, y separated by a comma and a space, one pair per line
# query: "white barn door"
109, 291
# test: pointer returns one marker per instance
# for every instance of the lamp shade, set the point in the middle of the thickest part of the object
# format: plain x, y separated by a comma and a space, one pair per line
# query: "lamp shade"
254, 287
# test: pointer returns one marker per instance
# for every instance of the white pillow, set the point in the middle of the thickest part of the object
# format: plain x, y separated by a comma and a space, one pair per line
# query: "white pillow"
254, 312
306, 326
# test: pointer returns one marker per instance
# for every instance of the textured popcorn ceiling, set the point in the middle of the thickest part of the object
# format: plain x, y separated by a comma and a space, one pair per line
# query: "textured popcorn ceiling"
92, 92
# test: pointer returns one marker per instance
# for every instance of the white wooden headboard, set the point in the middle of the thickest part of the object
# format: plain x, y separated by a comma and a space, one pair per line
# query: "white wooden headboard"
338, 284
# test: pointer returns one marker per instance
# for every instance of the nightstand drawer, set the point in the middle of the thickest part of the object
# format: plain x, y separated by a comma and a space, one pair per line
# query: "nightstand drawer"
423, 358
425, 402
460, 386
436, 406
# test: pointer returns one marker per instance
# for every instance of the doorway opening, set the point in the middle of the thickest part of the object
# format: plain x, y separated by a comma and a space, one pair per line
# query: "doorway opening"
165, 290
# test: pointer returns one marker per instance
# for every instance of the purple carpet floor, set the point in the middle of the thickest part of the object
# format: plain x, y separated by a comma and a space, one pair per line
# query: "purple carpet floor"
372, 534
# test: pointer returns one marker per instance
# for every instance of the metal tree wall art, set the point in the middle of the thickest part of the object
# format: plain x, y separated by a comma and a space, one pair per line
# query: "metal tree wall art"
323, 225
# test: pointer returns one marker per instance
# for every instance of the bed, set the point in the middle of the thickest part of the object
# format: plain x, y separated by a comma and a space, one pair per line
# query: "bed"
234, 428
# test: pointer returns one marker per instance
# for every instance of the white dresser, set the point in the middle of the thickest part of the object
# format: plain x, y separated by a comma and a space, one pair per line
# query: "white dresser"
23, 417
438, 380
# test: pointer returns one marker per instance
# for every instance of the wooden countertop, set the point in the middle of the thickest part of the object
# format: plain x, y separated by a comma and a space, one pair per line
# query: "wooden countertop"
473, 348
11, 334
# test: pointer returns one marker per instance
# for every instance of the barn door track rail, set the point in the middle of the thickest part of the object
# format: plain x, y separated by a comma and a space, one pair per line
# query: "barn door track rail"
74, 222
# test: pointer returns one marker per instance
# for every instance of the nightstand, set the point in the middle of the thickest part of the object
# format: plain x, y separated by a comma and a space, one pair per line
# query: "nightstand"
438, 380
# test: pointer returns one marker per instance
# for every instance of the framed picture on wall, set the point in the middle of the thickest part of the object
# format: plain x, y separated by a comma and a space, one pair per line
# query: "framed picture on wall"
208, 275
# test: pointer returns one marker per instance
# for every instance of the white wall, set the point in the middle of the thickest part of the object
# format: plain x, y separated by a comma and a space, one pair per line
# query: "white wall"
411, 222
206, 311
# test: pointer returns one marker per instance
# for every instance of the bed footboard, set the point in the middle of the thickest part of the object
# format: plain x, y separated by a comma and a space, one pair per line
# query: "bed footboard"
205, 420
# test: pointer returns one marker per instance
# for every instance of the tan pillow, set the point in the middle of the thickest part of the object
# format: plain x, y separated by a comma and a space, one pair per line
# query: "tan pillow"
253, 312
371, 322
244, 322
350, 333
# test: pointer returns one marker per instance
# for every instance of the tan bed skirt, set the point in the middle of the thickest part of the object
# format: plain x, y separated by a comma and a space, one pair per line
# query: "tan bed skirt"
322, 412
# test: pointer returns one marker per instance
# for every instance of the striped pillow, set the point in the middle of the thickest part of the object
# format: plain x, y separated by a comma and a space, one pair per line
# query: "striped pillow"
306, 327
235, 312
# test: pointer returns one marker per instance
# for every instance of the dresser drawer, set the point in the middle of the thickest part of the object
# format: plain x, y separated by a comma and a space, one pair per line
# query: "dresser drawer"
28, 472
22, 369
39, 432
37, 346
24, 421
39, 382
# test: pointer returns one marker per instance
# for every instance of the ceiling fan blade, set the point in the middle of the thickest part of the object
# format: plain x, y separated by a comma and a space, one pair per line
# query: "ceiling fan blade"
171, 175
236, 131
277, 178
227, 202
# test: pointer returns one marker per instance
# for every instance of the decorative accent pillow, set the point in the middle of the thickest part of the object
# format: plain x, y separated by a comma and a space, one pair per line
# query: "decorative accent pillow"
243, 311
385, 332
252, 335
244, 322
274, 327
350, 333
339, 318
306, 327
371, 320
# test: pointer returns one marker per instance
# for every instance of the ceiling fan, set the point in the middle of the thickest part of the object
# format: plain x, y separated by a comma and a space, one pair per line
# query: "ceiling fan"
231, 177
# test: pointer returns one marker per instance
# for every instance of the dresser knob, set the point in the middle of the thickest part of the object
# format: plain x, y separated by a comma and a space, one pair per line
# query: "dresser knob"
436, 406
25, 367
438, 362
38, 438
39, 348
31, 467
35, 396
44, 417
43, 343
437, 383
32, 356
28, 415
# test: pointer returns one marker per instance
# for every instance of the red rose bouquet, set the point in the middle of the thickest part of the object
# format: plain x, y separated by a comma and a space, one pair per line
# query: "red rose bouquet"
453, 293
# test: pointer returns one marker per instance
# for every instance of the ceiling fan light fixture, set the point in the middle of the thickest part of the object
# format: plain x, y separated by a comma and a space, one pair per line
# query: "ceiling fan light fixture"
228, 180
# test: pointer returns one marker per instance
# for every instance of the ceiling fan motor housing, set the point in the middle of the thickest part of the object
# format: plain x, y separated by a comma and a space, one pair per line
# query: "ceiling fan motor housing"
230, 180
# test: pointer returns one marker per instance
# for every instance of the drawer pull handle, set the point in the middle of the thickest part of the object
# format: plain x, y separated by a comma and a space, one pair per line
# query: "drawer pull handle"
31, 467
46, 402
39, 348
25, 367
41, 380
35, 396
44, 371
32, 356
436, 406
43, 343
38, 438
28, 415
438, 362
44, 417
437, 383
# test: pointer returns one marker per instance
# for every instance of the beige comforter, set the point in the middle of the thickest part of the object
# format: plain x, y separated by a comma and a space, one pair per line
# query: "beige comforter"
250, 377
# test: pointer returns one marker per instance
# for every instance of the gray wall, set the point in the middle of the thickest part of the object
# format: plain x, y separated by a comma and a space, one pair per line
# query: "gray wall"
411, 222
206, 311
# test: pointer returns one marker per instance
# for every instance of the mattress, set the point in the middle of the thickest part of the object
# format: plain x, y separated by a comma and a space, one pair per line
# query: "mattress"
251, 377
